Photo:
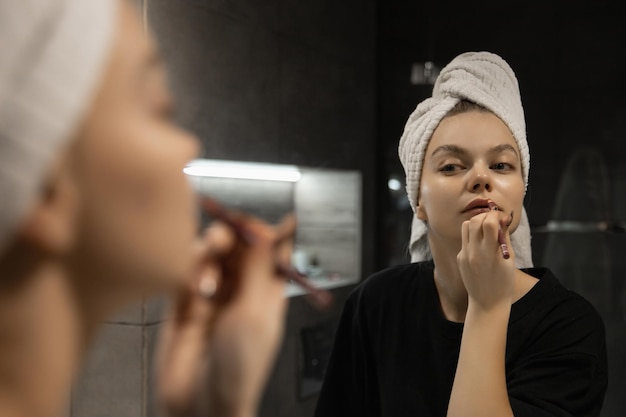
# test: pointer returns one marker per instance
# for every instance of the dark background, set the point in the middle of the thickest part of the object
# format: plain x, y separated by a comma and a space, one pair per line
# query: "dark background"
324, 83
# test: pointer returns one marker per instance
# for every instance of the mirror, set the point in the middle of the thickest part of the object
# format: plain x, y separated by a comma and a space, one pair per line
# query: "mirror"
326, 87
327, 204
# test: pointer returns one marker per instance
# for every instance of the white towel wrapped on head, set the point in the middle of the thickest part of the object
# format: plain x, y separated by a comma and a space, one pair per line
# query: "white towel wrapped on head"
52, 56
485, 79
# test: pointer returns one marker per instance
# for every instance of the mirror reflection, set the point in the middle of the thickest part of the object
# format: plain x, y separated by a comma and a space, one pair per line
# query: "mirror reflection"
326, 202
327, 87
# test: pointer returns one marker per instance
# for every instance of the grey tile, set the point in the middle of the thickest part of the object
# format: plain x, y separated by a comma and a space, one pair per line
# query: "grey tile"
225, 73
344, 29
155, 309
147, 311
261, 12
111, 382
131, 314
327, 108
336, 249
152, 335
328, 198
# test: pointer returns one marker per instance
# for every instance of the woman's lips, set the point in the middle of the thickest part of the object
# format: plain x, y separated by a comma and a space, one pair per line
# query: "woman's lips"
476, 210
479, 205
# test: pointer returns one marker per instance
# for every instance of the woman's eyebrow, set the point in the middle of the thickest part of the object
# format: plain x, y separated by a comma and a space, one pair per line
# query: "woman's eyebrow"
453, 149
457, 150
505, 147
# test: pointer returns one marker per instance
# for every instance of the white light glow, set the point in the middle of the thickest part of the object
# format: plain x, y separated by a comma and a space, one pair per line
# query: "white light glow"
242, 170
394, 184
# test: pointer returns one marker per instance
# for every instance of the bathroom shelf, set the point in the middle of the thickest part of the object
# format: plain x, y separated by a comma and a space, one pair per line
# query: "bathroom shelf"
569, 226
294, 290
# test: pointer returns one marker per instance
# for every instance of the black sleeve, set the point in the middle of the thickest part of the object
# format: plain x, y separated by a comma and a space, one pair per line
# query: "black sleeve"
349, 387
564, 370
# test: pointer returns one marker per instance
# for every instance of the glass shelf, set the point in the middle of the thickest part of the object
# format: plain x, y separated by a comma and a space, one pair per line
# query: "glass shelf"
294, 290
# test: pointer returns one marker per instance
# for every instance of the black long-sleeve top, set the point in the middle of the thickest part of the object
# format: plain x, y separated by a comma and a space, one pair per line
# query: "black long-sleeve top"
395, 354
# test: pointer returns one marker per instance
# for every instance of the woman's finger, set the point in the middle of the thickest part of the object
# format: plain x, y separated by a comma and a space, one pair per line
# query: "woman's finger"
182, 349
465, 234
505, 224
286, 229
491, 225
217, 240
285, 233
476, 228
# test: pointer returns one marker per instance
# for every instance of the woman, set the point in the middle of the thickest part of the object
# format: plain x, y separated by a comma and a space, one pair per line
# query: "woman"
96, 212
466, 333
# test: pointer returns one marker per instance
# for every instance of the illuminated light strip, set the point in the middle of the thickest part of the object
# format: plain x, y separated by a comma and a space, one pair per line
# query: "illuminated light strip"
242, 170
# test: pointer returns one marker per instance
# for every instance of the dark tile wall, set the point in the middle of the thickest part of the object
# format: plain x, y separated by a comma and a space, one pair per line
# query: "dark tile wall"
284, 81
279, 81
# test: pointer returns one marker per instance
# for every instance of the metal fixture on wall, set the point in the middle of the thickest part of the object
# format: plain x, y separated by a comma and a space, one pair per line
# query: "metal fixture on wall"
424, 73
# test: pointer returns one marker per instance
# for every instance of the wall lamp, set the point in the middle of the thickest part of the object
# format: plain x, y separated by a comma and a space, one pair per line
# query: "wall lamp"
242, 170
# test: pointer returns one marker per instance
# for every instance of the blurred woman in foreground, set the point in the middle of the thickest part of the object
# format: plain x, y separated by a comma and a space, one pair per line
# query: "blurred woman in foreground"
96, 213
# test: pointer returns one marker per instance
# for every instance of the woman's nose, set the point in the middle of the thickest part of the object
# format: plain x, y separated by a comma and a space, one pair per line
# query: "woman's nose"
481, 179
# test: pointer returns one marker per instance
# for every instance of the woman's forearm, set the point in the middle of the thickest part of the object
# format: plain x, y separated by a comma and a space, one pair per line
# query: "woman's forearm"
479, 387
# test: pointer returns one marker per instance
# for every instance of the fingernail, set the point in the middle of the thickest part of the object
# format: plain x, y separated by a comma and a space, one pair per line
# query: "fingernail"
207, 287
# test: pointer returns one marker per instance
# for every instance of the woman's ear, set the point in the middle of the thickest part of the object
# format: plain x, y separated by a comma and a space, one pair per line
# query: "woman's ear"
51, 224
420, 213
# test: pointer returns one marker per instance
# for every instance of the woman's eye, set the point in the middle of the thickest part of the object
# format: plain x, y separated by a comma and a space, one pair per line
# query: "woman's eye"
502, 166
450, 168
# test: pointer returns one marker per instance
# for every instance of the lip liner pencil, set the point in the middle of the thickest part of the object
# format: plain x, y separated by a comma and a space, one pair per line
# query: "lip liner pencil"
501, 240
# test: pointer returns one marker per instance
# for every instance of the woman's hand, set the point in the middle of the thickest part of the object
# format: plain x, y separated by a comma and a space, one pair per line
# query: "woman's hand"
218, 346
489, 279
487, 276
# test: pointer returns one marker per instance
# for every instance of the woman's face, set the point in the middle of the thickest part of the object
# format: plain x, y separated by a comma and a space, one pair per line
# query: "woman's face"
470, 156
137, 212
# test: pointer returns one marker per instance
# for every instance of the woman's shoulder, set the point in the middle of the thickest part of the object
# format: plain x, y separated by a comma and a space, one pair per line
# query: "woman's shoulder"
550, 284
555, 302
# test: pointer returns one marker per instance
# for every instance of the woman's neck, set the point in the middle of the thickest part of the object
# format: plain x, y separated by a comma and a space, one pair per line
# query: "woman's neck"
448, 281
42, 336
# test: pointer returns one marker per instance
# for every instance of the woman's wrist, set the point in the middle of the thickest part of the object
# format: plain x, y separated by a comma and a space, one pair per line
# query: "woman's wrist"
497, 311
